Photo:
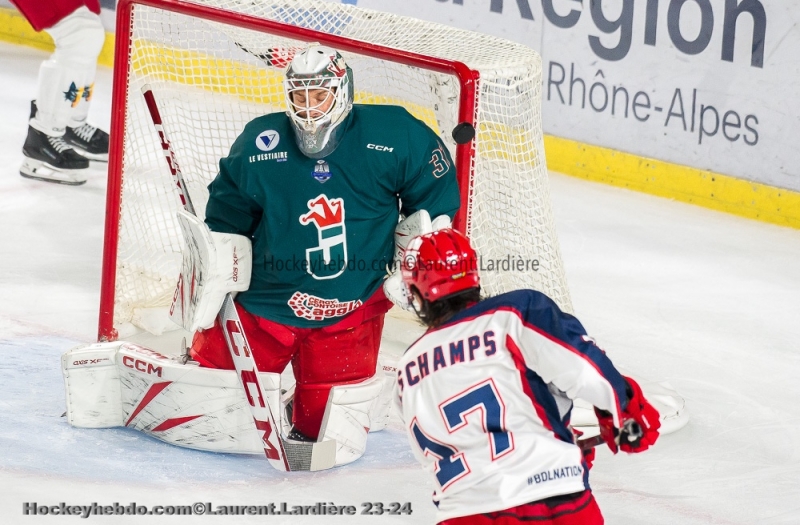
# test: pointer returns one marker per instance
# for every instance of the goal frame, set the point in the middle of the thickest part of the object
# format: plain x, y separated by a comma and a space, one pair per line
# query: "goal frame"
468, 80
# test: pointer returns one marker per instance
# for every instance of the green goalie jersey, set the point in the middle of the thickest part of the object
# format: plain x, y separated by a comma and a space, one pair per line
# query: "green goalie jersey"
323, 230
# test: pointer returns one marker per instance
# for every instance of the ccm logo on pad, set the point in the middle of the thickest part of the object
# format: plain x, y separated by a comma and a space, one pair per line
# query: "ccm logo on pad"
141, 366
378, 147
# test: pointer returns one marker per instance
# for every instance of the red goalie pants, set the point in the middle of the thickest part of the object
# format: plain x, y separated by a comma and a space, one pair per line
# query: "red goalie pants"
571, 509
346, 352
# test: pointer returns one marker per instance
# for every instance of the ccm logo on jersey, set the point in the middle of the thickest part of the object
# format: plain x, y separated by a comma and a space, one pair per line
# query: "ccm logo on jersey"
141, 366
378, 147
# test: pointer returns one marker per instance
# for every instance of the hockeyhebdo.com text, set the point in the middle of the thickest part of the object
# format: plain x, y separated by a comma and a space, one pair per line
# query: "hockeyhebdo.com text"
337, 264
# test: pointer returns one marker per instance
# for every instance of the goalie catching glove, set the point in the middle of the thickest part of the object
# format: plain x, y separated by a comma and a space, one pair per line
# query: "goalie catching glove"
640, 423
418, 223
213, 265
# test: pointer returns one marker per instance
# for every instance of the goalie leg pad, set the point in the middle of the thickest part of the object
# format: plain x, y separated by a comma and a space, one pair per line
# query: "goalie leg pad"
380, 409
213, 265
347, 417
91, 381
123, 384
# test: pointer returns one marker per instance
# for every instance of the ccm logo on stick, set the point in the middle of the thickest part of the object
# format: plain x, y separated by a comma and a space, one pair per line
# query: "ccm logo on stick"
378, 147
141, 366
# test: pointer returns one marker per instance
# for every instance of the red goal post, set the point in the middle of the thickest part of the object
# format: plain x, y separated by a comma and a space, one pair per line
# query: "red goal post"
200, 58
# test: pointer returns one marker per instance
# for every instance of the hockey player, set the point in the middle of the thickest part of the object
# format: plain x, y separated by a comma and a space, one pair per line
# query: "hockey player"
318, 190
60, 143
486, 395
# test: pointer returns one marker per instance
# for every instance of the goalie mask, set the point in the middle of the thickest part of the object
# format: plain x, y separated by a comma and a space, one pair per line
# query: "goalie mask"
319, 95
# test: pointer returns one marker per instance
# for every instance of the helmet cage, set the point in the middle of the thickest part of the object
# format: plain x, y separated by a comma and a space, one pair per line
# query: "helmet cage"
308, 116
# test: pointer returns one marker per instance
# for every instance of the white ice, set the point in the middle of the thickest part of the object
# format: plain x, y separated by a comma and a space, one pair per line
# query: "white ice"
707, 301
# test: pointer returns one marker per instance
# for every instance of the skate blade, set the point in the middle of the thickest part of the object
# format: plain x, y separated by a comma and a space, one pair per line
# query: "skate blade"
38, 170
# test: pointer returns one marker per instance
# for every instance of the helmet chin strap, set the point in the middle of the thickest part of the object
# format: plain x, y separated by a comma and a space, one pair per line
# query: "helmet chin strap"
321, 143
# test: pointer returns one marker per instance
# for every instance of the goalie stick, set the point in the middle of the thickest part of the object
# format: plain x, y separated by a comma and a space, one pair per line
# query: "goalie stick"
283, 454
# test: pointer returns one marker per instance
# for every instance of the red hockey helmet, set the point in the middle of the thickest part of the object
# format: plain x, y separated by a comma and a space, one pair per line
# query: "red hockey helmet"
439, 264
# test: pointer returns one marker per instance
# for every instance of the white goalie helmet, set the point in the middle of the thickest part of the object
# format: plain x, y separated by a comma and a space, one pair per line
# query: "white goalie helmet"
319, 95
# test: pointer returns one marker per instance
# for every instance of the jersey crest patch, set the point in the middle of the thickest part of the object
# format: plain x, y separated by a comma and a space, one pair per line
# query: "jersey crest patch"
268, 140
316, 308
322, 171
328, 259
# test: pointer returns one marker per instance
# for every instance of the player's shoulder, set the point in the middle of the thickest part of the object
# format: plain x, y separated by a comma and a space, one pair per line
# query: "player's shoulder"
388, 116
275, 127
278, 121
517, 302
382, 110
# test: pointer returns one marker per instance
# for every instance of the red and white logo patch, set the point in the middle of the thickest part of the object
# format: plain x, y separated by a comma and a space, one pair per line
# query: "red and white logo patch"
316, 308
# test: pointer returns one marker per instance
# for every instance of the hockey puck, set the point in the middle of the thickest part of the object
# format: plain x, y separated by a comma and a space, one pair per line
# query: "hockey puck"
463, 133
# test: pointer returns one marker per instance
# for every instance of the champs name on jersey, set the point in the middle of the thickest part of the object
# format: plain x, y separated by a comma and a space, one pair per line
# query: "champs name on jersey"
484, 404
322, 229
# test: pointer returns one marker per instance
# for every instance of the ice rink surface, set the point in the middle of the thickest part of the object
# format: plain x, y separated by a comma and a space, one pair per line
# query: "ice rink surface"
707, 301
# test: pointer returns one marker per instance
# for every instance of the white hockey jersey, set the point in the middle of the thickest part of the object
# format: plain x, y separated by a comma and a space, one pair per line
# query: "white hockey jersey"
486, 399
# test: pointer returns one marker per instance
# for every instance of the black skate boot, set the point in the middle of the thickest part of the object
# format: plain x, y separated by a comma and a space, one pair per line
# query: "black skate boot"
86, 140
51, 159
89, 141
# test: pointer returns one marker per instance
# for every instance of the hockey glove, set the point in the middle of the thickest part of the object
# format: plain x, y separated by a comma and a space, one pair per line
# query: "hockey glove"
640, 423
645, 416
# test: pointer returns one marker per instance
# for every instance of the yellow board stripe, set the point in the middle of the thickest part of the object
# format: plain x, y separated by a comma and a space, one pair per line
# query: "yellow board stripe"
16, 30
683, 183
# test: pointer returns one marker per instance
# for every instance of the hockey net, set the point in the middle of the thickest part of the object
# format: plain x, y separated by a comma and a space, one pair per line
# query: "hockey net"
208, 65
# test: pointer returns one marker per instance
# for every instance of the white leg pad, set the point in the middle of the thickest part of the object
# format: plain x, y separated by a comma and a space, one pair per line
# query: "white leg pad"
92, 386
287, 398
347, 417
379, 412
123, 384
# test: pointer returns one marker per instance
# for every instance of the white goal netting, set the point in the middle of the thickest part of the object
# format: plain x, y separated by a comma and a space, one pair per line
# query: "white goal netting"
209, 82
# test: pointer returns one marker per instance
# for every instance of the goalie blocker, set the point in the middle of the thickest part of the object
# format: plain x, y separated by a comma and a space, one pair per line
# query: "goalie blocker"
124, 384
214, 264
418, 223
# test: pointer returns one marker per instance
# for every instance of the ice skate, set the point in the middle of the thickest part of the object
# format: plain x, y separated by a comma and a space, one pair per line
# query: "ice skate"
51, 159
88, 141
